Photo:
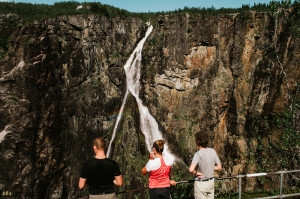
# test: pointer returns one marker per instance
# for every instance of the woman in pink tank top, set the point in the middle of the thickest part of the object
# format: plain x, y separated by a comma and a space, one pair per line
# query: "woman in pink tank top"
159, 168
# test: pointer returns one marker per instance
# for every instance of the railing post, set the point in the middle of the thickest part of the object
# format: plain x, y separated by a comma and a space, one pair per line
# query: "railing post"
281, 183
240, 186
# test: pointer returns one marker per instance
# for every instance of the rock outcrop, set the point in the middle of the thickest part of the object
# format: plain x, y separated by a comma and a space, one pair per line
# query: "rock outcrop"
62, 85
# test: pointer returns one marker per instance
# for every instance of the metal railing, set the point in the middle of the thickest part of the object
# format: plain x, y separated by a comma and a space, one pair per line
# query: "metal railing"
239, 177
281, 173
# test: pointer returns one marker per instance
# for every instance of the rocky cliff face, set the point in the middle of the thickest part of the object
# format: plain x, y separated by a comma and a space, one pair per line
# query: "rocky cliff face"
223, 75
215, 74
62, 85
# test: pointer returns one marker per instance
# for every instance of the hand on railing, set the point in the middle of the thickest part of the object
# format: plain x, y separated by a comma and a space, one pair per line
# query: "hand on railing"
173, 183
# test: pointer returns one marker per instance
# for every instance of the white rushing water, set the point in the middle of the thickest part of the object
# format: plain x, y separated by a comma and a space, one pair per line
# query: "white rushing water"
117, 123
149, 125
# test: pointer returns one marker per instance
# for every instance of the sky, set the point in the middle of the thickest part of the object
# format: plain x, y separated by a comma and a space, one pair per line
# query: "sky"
158, 5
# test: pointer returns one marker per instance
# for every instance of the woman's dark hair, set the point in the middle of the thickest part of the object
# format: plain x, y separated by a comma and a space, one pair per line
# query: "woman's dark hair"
202, 139
159, 145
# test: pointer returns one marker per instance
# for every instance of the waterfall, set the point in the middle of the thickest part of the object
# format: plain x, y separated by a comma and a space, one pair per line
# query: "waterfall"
117, 123
149, 126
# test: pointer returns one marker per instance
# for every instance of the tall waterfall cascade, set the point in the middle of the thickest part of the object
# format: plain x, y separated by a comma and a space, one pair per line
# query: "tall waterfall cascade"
149, 126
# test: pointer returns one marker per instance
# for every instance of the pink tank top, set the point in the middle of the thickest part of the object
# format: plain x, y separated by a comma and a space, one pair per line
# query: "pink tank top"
159, 178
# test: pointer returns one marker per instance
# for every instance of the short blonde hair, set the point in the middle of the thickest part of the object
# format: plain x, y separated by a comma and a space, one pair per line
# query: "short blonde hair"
99, 143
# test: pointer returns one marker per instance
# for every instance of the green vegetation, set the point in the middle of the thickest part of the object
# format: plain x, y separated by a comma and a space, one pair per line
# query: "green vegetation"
184, 190
222, 193
6, 27
274, 145
30, 12
294, 21
287, 146
4, 44
246, 195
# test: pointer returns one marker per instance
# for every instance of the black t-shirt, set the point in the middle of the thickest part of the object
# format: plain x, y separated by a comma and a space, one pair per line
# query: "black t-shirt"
100, 174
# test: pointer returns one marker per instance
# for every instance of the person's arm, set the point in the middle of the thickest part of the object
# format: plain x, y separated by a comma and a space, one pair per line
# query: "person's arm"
151, 157
81, 183
218, 167
144, 171
118, 180
194, 172
172, 182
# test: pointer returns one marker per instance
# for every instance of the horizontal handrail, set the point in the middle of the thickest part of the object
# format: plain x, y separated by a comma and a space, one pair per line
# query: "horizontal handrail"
231, 177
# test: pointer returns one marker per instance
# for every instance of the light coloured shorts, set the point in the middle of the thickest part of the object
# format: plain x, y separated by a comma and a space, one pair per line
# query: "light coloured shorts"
104, 196
204, 190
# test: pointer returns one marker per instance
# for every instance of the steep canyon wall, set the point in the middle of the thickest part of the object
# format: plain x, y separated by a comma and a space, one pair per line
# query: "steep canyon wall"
62, 85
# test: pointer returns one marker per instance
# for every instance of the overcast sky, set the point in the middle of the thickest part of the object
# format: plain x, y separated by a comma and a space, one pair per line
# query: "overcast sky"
158, 5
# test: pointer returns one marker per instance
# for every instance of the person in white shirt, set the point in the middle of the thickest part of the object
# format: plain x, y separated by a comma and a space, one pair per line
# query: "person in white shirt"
159, 167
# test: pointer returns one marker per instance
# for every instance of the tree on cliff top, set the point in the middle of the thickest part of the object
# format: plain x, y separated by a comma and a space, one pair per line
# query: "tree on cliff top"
30, 12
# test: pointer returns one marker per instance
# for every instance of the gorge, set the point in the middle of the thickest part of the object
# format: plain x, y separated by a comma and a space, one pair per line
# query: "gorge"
62, 84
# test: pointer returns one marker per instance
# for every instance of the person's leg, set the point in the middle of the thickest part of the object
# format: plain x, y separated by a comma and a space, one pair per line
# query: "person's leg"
159, 193
164, 193
211, 186
198, 193
153, 193
110, 196
203, 190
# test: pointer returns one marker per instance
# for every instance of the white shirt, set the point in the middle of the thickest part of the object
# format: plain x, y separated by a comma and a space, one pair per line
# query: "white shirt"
156, 163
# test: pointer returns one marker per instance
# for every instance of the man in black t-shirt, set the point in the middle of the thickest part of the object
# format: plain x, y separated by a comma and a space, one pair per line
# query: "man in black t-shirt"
100, 173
